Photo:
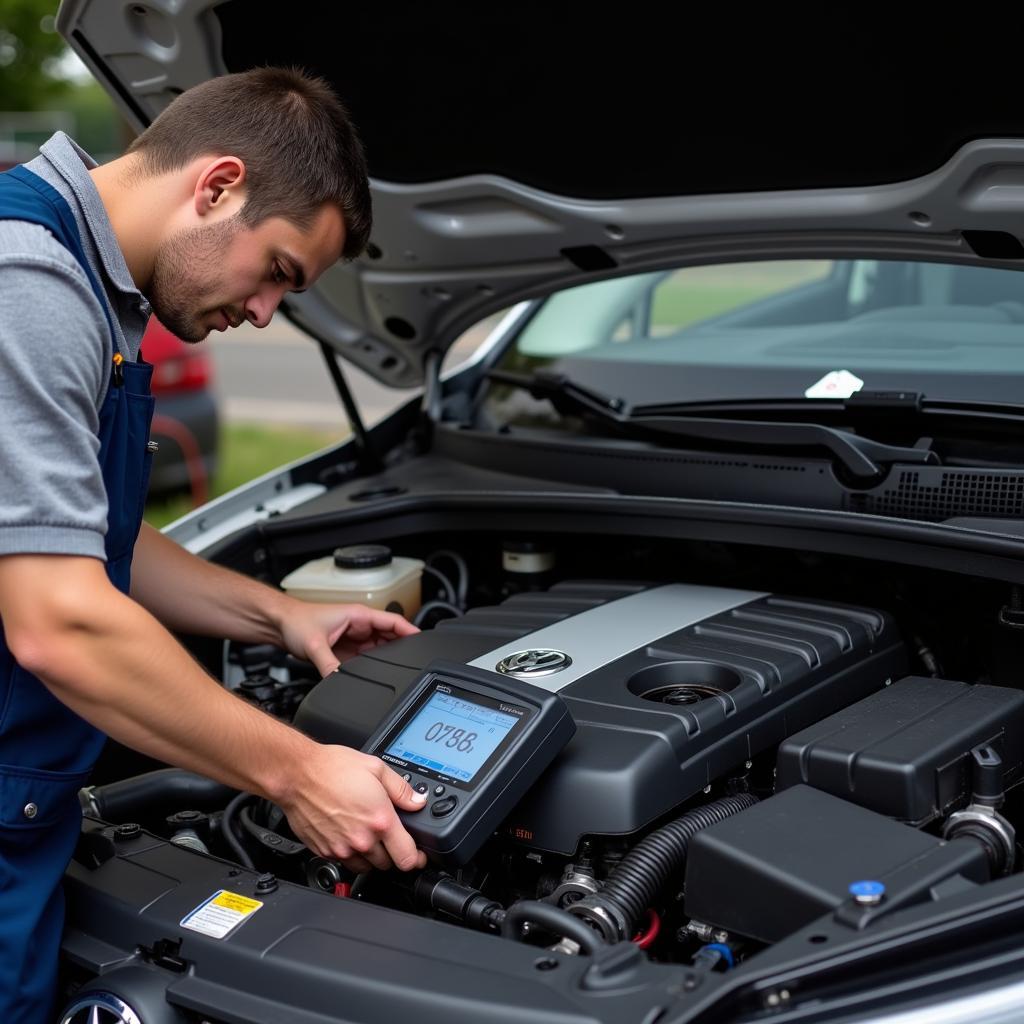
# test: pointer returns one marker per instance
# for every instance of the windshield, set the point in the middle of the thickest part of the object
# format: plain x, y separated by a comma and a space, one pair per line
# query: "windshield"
787, 329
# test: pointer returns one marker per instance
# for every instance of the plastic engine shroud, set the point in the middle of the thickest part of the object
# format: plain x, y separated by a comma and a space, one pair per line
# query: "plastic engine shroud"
671, 687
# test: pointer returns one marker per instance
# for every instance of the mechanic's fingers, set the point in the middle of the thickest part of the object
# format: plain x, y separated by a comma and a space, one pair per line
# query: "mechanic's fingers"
401, 793
357, 863
398, 843
378, 857
402, 849
319, 652
389, 622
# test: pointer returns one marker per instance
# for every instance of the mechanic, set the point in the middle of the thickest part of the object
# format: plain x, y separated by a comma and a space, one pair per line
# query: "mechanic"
244, 188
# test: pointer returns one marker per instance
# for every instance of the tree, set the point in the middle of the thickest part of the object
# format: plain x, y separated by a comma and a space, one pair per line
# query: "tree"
36, 76
30, 51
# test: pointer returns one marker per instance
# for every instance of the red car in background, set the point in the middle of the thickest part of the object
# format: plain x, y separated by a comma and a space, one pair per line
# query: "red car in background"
185, 424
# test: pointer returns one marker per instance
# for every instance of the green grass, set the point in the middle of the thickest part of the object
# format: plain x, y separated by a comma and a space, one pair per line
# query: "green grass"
696, 293
246, 451
675, 308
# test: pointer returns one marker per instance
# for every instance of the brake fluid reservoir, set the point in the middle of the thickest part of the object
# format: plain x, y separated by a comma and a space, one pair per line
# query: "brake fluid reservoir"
364, 573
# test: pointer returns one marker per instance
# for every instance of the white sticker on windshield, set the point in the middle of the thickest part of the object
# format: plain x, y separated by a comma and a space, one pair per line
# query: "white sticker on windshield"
837, 384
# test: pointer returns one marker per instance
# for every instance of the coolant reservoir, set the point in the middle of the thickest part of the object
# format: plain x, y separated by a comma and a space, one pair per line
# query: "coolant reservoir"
363, 573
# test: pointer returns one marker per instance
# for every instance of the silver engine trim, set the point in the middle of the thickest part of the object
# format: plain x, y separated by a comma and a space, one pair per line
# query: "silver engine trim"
601, 635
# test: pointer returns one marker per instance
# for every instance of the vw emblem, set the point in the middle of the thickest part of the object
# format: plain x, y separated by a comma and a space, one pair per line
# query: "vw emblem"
532, 664
100, 1008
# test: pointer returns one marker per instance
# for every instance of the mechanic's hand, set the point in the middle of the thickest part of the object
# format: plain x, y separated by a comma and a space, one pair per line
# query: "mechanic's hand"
327, 634
342, 806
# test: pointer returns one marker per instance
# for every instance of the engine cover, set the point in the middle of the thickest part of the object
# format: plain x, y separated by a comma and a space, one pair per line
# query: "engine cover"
670, 686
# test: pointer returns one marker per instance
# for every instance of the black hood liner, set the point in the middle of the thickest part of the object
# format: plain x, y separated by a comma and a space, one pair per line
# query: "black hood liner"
574, 103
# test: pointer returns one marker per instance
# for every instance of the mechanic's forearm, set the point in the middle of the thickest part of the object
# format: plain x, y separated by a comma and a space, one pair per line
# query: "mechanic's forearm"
122, 671
189, 595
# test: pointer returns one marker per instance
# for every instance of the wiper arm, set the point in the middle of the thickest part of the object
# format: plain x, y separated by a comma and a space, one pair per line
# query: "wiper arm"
860, 456
564, 394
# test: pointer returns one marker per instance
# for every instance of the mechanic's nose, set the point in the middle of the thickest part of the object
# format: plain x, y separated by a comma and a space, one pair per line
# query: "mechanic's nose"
259, 309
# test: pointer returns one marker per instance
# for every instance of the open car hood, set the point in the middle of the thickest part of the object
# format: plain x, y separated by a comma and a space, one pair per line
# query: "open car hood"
514, 152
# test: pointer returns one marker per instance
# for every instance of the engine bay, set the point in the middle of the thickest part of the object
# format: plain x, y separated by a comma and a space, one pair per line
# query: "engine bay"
671, 687
745, 762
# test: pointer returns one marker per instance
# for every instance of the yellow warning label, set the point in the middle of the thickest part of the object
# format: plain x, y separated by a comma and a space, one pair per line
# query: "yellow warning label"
222, 913
232, 901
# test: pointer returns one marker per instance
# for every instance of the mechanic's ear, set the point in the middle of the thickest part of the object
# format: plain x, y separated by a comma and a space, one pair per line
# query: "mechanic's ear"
220, 186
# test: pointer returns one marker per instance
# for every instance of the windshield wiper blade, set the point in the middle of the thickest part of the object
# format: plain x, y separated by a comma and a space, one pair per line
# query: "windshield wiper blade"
897, 402
860, 456
874, 404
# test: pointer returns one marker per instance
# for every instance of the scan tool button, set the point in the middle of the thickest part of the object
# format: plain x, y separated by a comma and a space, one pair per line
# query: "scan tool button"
440, 808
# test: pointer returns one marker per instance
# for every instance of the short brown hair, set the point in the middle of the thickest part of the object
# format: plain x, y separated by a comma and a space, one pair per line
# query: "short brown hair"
294, 135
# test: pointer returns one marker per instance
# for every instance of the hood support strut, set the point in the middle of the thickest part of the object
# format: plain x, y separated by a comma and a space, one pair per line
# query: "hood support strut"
367, 456
430, 407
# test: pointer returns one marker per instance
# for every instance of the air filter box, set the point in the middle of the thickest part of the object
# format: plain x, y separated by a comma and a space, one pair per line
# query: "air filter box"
779, 865
905, 751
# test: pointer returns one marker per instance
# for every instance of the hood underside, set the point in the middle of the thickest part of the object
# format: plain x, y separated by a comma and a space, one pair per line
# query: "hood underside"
518, 151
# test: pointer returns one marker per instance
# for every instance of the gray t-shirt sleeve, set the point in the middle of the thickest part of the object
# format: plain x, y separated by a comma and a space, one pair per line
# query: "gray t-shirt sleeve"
54, 366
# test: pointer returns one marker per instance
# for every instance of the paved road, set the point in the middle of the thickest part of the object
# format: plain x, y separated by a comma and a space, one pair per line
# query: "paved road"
277, 376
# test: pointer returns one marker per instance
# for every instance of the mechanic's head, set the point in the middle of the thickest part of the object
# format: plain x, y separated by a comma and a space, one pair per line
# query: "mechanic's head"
273, 187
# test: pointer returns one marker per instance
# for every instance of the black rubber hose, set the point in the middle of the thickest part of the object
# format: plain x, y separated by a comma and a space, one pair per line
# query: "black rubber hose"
552, 919
137, 797
227, 827
430, 606
631, 887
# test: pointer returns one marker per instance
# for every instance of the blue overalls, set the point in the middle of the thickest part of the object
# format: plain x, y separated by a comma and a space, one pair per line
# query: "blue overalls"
46, 750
